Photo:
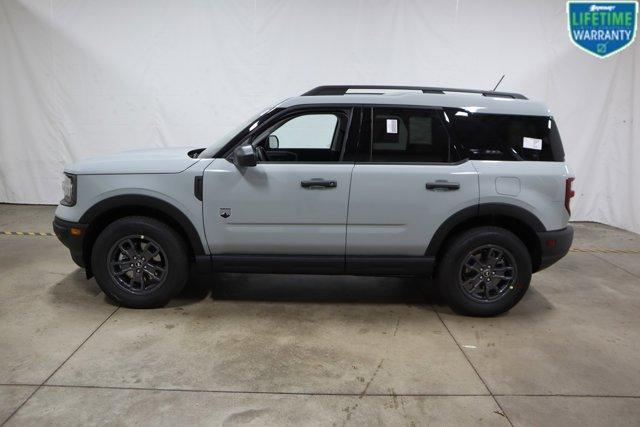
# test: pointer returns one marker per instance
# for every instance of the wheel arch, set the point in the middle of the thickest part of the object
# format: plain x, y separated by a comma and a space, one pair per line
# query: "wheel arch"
108, 210
517, 220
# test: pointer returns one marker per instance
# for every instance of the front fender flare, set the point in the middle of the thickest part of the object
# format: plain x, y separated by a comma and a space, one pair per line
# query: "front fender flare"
142, 201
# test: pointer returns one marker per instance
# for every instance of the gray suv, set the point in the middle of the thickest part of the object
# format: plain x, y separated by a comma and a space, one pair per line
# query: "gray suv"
467, 186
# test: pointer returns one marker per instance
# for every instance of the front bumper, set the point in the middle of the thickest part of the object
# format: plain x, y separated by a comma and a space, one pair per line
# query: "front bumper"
554, 245
72, 239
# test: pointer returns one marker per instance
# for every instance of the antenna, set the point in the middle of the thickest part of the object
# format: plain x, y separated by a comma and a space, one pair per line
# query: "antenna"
498, 84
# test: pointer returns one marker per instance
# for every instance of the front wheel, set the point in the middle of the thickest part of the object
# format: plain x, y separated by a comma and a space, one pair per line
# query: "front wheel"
140, 262
484, 271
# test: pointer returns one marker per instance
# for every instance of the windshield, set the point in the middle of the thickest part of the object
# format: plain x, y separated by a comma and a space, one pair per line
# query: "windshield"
220, 142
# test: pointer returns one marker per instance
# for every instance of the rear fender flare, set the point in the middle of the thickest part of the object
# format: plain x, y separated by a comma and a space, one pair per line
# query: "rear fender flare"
486, 210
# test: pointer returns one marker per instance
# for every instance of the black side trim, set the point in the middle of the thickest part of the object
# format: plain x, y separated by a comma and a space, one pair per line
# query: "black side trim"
137, 201
317, 264
390, 265
552, 254
291, 264
203, 264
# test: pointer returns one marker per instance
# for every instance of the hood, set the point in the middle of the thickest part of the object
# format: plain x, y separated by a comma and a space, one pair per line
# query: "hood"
158, 160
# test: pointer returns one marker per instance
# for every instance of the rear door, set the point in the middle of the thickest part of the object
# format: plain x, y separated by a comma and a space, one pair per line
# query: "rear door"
409, 183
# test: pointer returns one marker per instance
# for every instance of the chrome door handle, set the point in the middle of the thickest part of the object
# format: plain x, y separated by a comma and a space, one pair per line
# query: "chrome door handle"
443, 185
318, 183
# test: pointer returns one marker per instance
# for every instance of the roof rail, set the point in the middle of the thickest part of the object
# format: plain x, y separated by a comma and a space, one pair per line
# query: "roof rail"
342, 90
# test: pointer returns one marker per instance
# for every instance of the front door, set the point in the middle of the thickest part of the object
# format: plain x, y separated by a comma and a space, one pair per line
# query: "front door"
294, 201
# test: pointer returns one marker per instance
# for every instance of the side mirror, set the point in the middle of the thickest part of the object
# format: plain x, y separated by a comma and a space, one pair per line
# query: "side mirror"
244, 156
274, 143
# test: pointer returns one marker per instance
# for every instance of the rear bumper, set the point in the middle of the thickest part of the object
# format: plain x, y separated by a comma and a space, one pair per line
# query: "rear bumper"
554, 245
75, 241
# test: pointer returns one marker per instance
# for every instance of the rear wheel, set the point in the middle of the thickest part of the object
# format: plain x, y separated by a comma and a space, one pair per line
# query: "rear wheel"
484, 271
140, 262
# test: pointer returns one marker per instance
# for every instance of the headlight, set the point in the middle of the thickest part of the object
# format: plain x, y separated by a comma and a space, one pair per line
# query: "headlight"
70, 190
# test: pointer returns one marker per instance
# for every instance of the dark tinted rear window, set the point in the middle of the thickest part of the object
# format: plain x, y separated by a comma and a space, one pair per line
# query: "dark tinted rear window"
507, 137
409, 135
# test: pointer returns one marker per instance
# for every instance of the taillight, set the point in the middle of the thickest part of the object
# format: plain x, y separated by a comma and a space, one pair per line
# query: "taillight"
568, 194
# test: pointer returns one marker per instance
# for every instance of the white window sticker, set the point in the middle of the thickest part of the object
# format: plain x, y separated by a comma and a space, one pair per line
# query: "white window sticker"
392, 126
532, 143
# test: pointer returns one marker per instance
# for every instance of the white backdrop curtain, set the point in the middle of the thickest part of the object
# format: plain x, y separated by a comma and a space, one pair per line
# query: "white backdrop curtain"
83, 78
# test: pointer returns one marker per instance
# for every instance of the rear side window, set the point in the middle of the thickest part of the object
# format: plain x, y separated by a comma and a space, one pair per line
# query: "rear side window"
507, 137
408, 135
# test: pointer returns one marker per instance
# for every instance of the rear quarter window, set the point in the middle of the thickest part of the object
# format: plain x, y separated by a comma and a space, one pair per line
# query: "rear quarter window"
506, 137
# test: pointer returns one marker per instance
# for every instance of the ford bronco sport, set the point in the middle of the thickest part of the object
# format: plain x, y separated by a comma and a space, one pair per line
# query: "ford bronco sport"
468, 186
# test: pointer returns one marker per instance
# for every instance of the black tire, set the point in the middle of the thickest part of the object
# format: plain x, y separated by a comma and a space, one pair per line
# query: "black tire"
157, 280
468, 258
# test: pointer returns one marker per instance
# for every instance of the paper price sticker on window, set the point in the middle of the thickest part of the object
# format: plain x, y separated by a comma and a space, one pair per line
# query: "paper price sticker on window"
392, 126
532, 143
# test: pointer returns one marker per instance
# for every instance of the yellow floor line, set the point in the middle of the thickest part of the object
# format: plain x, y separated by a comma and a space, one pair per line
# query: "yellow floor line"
606, 250
26, 233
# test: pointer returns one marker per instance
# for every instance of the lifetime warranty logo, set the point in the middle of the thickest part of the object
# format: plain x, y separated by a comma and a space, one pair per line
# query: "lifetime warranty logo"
602, 28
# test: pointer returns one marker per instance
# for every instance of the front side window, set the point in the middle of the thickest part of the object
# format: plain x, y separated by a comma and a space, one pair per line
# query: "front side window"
408, 135
310, 137
308, 131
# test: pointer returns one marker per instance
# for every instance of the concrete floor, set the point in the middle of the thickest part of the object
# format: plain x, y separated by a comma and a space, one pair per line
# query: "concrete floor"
316, 350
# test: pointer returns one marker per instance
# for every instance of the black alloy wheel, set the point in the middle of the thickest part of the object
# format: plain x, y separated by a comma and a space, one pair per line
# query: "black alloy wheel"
137, 264
488, 273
